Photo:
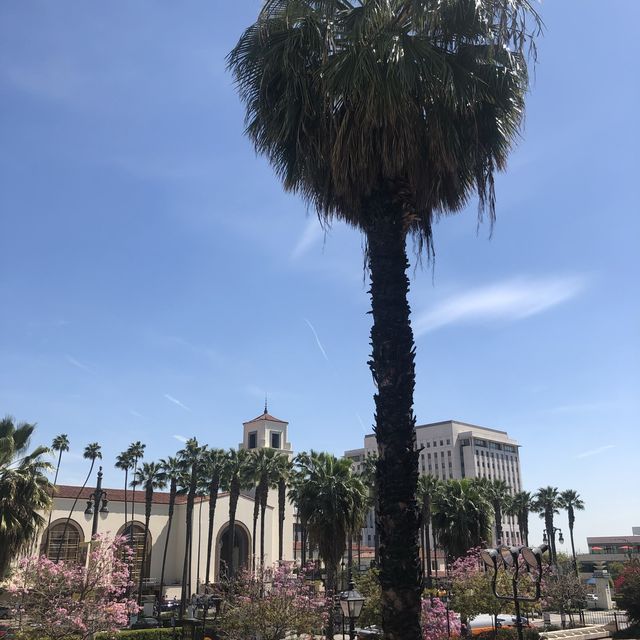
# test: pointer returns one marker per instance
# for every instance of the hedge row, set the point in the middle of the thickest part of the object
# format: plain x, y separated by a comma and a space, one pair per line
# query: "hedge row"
141, 634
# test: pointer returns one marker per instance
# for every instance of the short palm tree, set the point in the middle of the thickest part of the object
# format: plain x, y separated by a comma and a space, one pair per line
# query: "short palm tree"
571, 502
213, 470
151, 476
386, 114
428, 486
546, 503
235, 478
24, 489
174, 471
328, 496
461, 517
520, 506
91, 452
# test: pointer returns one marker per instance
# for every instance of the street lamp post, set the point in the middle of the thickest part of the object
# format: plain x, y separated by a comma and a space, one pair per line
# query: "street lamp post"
549, 537
509, 559
351, 602
97, 504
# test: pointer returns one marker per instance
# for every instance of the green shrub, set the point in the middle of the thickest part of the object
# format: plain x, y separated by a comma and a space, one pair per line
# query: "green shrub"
629, 632
509, 634
140, 634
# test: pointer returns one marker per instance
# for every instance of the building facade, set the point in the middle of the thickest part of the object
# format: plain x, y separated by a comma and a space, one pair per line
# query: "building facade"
452, 449
605, 550
69, 532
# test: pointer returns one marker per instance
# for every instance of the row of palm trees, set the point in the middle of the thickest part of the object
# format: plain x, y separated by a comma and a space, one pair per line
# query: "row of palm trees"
458, 514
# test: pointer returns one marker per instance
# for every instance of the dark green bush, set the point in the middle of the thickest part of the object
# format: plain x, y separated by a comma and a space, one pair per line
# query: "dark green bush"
140, 634
509, 634
629, 632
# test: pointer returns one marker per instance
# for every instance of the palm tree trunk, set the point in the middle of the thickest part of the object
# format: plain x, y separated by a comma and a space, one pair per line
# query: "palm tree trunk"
147, 518
55, 482
392, 367
256, 513
331, 588
172, 500
498, 514
133, 502
573, 548
427, 528
263, 511
213, 499
234, 494
199, 543
282, 504
303, 544
126, 506
186, 567
73, 506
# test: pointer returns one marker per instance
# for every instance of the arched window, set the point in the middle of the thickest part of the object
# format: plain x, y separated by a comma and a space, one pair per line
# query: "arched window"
63, 541
135, 538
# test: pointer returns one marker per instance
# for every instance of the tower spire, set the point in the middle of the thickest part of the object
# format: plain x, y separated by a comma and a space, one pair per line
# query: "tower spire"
265, 404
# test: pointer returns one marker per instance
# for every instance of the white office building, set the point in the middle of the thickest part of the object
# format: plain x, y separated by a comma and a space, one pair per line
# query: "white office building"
452, 449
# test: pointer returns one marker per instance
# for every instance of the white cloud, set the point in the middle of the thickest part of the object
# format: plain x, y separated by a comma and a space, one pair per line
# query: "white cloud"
135, 413
180, 438
311, 234
176, 402
77, 363
595, 452
512, 299
315, 335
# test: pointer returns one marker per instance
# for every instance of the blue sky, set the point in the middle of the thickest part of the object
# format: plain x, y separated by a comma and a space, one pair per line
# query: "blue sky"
157, 282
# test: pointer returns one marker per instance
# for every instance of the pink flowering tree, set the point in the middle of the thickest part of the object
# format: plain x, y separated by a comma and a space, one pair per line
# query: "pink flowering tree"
69, 600
434, 620
285, 604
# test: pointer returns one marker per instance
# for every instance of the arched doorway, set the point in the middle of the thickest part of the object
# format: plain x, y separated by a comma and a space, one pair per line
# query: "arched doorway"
134, 534
241, 548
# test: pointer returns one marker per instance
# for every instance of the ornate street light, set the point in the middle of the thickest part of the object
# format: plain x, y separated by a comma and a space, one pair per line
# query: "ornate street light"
351, 602
509, 559
97, 503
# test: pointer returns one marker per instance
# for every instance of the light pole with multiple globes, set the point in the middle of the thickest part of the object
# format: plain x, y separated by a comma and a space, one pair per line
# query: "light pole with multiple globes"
97, 503
509, 559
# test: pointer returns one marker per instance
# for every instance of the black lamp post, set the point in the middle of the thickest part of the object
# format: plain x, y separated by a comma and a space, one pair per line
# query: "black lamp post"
351, 602
550, 536
509, 559
216, 601
97, 503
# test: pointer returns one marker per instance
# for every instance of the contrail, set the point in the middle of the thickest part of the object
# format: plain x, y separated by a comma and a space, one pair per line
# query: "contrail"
315, 335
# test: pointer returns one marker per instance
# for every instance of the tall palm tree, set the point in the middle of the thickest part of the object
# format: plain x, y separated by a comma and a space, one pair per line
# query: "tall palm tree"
125, 463
192, 459
91, 452
213, 470
235, 478
387, 114
60, 445
546, 503
499, 495
520, 506
460, 515
174, 471
283, 474
24, 489
571, 502
151, 475
136, 453
427, 488
329, 494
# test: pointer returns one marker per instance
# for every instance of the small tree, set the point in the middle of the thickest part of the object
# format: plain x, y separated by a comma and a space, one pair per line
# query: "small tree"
434, 620
73, 601
628, 590
288, 605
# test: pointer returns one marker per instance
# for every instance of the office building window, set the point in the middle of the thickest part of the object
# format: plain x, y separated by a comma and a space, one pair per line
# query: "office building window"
253, 440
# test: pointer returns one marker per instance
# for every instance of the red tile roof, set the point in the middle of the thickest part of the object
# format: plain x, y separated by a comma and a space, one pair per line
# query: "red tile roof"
117, 495
266, 416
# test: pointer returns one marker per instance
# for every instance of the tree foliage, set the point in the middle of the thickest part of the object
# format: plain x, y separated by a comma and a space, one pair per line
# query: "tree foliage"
73, 601
628, 590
